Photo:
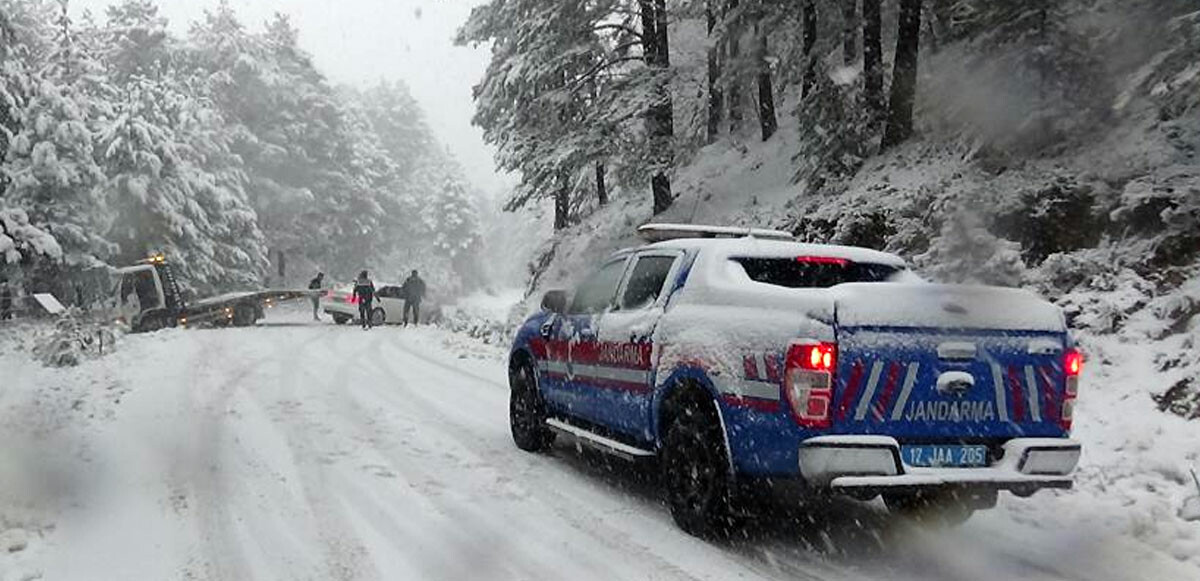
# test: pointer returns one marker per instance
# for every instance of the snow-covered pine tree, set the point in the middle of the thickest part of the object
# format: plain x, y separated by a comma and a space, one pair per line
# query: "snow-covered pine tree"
568, 87
50, 163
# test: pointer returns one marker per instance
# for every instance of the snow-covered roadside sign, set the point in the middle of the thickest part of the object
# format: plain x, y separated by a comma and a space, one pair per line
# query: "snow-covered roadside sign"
49, 303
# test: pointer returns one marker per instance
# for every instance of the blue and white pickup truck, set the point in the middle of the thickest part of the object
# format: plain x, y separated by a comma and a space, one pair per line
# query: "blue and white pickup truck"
738, 356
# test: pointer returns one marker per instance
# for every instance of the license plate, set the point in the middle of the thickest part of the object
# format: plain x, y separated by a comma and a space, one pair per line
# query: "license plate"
944, 456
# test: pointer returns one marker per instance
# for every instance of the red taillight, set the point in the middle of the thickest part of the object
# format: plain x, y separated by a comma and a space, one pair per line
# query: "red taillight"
353, 299
1072, 366
1073, 362
808, 382
822, 260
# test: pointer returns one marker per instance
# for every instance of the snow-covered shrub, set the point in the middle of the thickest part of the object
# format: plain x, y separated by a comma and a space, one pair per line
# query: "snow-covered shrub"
1164, 209
836, 130
73, 340
965, 252
1058, 217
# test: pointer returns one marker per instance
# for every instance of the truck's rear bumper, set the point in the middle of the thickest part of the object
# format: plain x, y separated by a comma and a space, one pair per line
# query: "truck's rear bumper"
868, 465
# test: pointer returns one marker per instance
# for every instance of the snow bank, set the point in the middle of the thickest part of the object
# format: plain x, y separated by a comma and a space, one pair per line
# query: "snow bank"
74, 339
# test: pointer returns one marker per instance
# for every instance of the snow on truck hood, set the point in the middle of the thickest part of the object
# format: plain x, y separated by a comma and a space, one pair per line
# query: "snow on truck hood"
943, 305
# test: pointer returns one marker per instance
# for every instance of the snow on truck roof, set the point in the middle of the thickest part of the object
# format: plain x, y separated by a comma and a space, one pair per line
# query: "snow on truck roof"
757, 242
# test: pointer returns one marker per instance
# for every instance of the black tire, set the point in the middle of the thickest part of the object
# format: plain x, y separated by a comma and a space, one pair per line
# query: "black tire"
150, 323
244, 315
527, 410
378, 317
939, 509
695, 471
341, 319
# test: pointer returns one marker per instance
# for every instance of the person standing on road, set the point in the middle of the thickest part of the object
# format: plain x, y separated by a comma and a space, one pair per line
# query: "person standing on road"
316, 284
413, 291
6, 301
364, 290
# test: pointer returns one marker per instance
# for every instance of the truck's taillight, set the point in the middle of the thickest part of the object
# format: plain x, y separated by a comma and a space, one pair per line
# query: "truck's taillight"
1072, 366
808, 382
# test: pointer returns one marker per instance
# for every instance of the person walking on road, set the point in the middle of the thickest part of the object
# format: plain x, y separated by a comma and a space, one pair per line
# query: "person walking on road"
413, 291
316, 284
364, 290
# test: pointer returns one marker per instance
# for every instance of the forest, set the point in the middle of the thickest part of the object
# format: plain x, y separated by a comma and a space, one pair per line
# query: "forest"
225, 148
1047, 144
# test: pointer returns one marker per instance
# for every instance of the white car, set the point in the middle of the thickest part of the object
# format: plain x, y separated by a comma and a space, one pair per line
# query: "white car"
341, 304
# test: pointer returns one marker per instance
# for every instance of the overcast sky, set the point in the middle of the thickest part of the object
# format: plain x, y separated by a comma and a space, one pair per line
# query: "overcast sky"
361, 41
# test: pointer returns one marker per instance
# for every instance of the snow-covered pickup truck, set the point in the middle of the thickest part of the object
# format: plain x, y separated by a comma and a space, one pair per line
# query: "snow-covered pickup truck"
739, 357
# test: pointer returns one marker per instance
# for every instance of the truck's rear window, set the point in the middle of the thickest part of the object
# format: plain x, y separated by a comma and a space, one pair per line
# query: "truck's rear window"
792, 273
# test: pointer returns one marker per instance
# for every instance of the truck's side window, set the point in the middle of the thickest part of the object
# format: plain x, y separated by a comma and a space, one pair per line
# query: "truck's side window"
596, 293
646, 281
147, 290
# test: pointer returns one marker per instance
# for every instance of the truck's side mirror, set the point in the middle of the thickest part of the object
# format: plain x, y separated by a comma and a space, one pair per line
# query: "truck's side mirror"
555, 301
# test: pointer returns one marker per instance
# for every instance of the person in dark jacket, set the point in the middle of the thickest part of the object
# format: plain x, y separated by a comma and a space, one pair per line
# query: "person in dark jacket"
6, 301
364, 290
413, 291
316, 284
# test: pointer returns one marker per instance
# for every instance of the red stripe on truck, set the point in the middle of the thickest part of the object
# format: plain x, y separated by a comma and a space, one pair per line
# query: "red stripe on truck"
1051, 406
885, 398
843, 406
1015, 390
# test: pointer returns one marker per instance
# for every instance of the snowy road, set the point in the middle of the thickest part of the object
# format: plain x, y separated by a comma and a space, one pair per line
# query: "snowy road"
302, 451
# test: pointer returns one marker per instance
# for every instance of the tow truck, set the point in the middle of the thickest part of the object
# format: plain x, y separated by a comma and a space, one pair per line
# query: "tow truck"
148, 298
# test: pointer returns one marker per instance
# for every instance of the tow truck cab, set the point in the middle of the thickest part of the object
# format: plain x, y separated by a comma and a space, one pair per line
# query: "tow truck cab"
148, 296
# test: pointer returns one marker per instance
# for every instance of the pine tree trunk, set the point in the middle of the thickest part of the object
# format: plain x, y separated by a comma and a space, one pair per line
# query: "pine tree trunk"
766, 97
849, 32
601, 187
716, 95
660, 117
810, 42
734, 92
562, 204
873, 58
904, 75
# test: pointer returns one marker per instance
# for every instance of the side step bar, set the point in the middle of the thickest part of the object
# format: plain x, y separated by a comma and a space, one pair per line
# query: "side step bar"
593, 440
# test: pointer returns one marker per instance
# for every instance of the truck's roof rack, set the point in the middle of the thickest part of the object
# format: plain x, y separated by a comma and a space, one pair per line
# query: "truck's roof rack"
661, 232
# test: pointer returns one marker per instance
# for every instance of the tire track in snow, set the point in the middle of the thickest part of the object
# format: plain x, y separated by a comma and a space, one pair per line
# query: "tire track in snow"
579, 515
207, 468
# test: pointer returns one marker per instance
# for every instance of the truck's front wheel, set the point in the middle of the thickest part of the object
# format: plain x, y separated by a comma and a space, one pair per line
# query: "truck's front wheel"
527, 410
696, 471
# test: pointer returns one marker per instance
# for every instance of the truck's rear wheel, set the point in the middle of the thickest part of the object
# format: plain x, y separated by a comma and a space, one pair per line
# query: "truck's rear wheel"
150, 323
378, 317
527, 410
695, 469
243, 315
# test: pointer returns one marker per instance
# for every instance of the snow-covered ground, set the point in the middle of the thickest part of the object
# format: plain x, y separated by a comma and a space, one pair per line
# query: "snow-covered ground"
311, 451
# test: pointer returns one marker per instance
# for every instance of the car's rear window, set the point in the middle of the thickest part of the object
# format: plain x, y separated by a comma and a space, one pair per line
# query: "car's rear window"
793, 273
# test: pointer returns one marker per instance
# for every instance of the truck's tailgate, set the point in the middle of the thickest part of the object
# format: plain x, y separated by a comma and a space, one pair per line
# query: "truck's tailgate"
935, 363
